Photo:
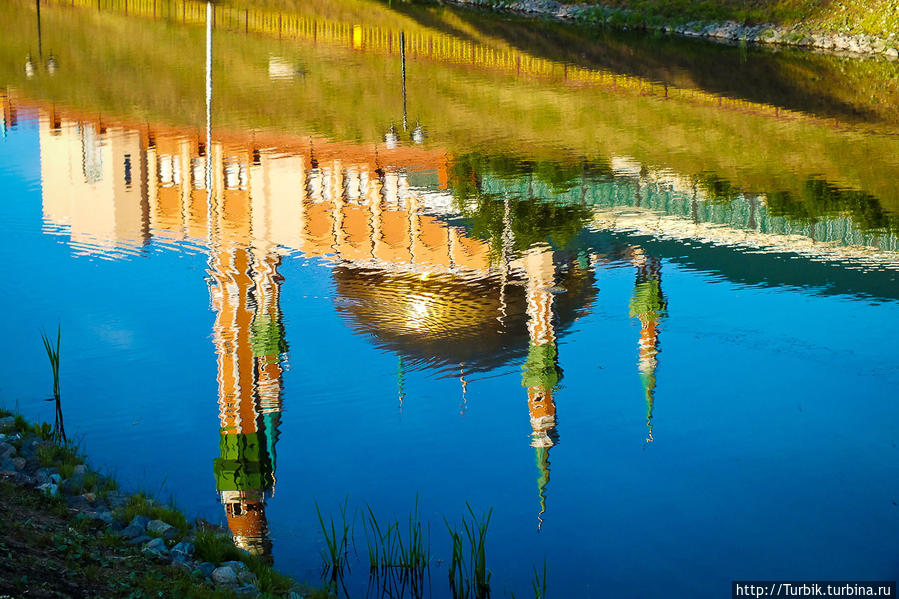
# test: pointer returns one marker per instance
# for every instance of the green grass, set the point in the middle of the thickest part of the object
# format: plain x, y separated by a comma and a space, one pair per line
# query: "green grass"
21, 424
59, 430
140, 504
63, 457
873, 17
215, 547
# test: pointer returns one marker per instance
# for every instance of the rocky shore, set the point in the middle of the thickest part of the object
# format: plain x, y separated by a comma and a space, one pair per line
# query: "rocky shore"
728, 31
91, 505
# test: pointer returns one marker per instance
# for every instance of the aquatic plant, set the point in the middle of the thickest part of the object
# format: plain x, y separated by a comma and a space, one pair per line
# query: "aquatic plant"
334, 558
468, 573
398, 562
539, 583
59, 431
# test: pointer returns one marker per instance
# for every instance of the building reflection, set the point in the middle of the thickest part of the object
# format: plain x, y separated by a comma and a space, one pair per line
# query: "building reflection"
249, 340
419, 286
648, 303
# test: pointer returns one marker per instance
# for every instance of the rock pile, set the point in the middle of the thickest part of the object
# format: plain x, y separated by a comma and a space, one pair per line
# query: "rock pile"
91, 496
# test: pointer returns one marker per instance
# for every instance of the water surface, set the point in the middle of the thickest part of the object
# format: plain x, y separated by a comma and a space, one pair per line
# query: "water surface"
637, 295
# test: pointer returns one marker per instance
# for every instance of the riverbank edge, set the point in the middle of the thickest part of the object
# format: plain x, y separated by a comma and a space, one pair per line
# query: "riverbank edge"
730, 32
160, 534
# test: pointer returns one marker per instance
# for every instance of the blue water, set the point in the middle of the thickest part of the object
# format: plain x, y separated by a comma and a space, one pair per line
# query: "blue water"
771, 451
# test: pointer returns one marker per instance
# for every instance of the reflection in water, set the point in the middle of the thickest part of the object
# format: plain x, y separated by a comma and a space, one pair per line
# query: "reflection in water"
249, 340
649, 305
459, 298
541, 370
466, 259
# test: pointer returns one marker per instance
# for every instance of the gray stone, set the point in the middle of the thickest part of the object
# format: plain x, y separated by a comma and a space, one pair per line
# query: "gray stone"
183, 548
162, 529
7, 450
19, 463
43, 474
116, 498
132, 531
206, 568
156, 547
180, 564
104, 516
55, 478
72, 486
7, 465
78, 502
140, 521
80, 469
248, 590
50, 489
224, 575
139, 540
235, 565
246, 577
892, 52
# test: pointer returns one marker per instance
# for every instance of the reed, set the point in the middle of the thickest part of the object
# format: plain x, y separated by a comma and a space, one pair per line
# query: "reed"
59, 431
457, 577
539, 583
399, 557
468, 573
334, 557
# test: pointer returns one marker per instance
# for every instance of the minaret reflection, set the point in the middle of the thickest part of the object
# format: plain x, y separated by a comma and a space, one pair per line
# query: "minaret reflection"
649, 305
249, 340
541, 369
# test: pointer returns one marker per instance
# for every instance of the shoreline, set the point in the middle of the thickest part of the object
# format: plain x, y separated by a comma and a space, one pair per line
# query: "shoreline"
156, 544
728, 32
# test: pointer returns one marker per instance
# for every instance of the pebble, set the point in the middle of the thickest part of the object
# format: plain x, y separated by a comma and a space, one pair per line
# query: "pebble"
184, 548
162, 529
140, 522
72, 486
235, 565
80, 470
78, 502
7, 450
42, 475
156, 547
104, 516
206, 568
131, 531
224, 576
246, 577
139, 540
50, 489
